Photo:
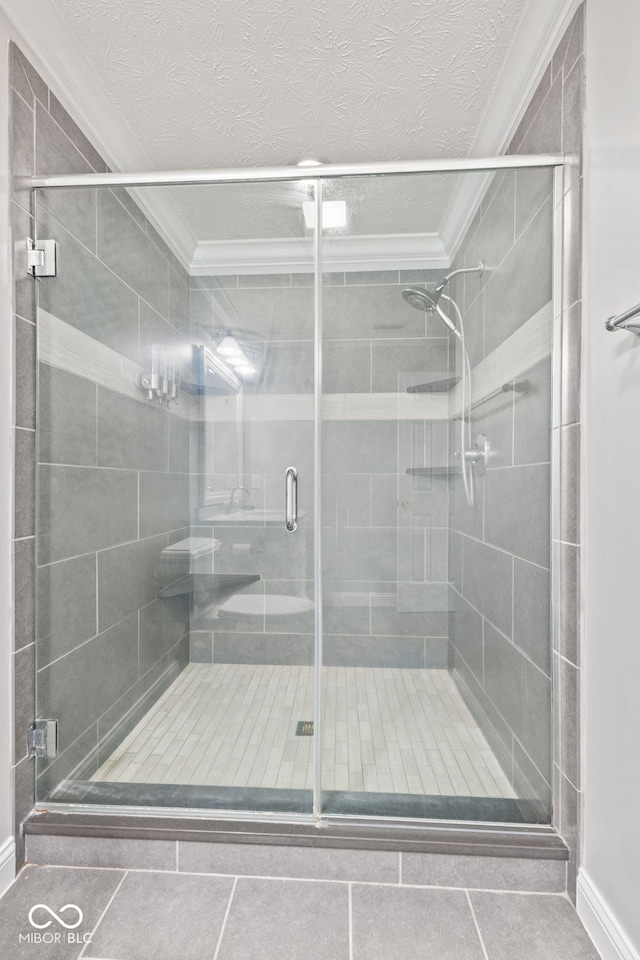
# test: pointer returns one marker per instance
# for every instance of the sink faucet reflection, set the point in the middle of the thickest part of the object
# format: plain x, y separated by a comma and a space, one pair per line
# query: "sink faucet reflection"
237, 500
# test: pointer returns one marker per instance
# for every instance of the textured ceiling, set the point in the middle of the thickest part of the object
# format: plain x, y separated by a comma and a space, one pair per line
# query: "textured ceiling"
218, 83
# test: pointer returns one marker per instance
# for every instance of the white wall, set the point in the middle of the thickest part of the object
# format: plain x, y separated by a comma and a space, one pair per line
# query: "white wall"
611, 854
7, 858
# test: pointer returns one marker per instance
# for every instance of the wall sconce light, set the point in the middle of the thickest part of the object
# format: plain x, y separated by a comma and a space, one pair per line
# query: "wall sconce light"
233, 354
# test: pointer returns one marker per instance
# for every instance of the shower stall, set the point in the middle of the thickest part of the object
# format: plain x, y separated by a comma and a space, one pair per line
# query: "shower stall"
294, 536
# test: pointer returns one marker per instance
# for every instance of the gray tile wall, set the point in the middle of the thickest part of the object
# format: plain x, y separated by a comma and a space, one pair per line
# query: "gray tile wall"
384, 532
109, 466
508, 651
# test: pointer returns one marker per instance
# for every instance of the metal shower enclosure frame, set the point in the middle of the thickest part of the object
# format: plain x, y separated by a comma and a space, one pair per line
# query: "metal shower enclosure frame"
316, 174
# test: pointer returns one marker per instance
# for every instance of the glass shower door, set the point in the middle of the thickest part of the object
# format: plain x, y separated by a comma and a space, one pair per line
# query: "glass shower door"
263, 635
176, 610
436, 424
178, 641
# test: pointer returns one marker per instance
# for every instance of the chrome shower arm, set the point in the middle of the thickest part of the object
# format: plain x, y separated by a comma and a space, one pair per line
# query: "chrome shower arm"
454, 273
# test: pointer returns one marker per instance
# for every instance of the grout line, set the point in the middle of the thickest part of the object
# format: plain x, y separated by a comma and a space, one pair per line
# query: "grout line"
68, 136
509, 640
400, 867
101, 917
513, 603
97, 422
177, 856
360, 883
477, 926
485, 543
91, 466
226, 917
349, 895
15, 90
96, 636
96, 610
60, 225
97, 721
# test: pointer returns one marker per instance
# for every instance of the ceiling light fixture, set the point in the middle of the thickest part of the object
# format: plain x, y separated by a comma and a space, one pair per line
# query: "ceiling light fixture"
308, 160
334, 213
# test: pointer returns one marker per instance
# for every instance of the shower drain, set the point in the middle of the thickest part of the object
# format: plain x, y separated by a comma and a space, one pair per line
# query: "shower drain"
304, 728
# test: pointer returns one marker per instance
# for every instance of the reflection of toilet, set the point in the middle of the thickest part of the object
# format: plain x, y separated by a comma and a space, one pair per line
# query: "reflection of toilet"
191, 555
270, 605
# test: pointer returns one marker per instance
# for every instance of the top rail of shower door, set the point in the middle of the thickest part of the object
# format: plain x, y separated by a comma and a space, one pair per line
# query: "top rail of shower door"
258, 174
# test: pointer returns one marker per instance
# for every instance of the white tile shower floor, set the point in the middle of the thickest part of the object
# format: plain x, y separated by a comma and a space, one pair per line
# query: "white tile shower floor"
384, 730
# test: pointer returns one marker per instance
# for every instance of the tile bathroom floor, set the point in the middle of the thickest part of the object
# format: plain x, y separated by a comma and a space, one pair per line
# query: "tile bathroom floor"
147, 915
387, 730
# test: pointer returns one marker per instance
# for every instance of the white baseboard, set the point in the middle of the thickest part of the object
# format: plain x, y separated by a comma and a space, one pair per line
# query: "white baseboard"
7, 864
610, 940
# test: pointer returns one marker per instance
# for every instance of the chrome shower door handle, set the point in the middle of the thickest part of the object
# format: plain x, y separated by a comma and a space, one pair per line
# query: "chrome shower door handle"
291, 501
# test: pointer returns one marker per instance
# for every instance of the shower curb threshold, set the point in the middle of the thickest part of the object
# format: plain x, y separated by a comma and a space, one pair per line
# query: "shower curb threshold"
489, 840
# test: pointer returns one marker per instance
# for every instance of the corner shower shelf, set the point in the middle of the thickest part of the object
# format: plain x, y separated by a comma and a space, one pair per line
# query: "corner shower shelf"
432, 471
209, 582
435, 386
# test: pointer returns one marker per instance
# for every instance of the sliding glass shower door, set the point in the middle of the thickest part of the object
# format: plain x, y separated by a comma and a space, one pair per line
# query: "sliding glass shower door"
294, 496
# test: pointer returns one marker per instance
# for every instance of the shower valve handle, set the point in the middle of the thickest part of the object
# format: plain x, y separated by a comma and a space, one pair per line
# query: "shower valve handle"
471, 456
477, 455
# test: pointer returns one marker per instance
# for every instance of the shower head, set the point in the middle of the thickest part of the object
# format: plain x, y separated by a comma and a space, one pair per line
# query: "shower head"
428, 300
420, 299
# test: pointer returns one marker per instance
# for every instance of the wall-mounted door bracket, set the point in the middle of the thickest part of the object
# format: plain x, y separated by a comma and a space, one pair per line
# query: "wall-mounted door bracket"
42, 738
42, 258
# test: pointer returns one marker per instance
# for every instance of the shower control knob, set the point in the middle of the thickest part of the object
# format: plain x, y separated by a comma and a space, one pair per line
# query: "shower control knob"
477, 455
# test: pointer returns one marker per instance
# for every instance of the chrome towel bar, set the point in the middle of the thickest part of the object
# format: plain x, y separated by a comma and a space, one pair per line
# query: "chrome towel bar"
624, 321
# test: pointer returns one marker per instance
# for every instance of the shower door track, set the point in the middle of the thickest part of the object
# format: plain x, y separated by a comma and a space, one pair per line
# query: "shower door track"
476, 838
259, 174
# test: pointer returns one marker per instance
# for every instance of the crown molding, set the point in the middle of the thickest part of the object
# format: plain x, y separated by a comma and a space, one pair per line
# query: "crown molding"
46, 41
462, 209
412, 251
171, 226
55, 54
541, 28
